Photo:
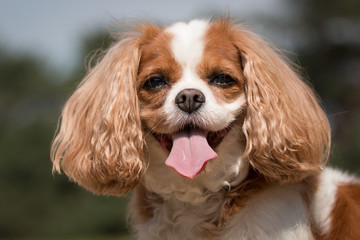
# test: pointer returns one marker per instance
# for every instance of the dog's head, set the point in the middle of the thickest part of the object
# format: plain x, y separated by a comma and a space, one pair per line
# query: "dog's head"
194, 91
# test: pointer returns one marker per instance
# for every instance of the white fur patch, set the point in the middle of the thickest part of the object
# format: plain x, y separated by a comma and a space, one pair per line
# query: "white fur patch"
187, 44
324, 198
277, 213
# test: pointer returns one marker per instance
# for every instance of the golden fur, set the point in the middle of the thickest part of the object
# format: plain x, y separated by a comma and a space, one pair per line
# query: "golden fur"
96, 146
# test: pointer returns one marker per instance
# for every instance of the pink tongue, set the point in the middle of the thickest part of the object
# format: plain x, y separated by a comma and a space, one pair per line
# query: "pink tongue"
189, 153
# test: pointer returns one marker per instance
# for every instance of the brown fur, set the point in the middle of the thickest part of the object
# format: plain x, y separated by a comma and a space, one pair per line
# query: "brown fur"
346, 214
143, 204
156, 59
287, 132
221, 56
95, 146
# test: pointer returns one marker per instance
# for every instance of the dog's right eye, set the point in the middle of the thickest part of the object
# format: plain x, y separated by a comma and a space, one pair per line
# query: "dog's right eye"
155, 83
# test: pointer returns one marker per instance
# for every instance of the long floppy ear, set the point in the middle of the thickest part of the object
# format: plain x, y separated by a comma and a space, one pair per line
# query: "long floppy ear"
287, 133
99, 143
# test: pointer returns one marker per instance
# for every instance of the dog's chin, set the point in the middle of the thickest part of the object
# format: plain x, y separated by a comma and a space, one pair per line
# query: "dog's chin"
214, 139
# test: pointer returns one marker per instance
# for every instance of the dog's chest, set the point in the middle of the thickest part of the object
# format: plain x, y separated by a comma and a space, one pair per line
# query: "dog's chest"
172, 219
276, 214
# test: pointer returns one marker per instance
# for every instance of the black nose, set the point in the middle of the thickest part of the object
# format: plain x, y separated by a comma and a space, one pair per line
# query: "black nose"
189, 100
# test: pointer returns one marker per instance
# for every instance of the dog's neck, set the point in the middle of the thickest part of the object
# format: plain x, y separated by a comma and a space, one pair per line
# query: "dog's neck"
204, 215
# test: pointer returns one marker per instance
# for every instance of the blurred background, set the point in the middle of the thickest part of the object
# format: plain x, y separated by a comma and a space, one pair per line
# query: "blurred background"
43, 47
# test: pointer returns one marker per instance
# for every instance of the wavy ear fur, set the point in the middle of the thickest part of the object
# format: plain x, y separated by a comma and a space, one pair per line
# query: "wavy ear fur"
287, 133
99, 143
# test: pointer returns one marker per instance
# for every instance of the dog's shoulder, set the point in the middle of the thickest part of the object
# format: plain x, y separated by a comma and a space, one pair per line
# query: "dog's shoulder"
335, 205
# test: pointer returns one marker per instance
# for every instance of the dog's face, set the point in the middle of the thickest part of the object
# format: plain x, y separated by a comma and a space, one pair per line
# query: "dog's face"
189, 79
183, 95
190, 83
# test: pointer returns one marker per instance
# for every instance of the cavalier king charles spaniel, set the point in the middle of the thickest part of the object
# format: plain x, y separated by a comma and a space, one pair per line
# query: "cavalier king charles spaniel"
214, 131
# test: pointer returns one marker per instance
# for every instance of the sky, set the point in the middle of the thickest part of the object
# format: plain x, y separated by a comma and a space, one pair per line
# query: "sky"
54, 29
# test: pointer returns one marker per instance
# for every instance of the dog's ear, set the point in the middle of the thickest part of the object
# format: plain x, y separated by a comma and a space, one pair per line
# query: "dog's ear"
99, 143
287, 133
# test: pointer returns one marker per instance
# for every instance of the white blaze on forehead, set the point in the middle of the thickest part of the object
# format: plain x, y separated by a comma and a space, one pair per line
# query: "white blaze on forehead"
187, 43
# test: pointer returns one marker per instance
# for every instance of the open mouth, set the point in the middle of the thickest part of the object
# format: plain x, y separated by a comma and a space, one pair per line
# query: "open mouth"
213, 138
190, 149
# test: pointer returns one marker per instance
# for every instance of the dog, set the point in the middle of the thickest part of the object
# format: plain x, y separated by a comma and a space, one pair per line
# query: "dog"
216, 133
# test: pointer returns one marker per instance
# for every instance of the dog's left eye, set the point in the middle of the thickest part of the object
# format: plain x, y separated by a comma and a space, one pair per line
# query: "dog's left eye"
221, 80
155, 83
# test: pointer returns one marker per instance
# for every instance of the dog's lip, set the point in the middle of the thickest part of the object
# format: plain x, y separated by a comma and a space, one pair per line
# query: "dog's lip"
213, 138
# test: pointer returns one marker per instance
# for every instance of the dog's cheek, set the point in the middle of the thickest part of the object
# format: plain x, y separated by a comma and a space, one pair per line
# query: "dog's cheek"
155, 120
151, 109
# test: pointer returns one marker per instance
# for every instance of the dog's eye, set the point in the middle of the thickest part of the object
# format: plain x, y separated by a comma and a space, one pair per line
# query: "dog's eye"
155, 83
221, 80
